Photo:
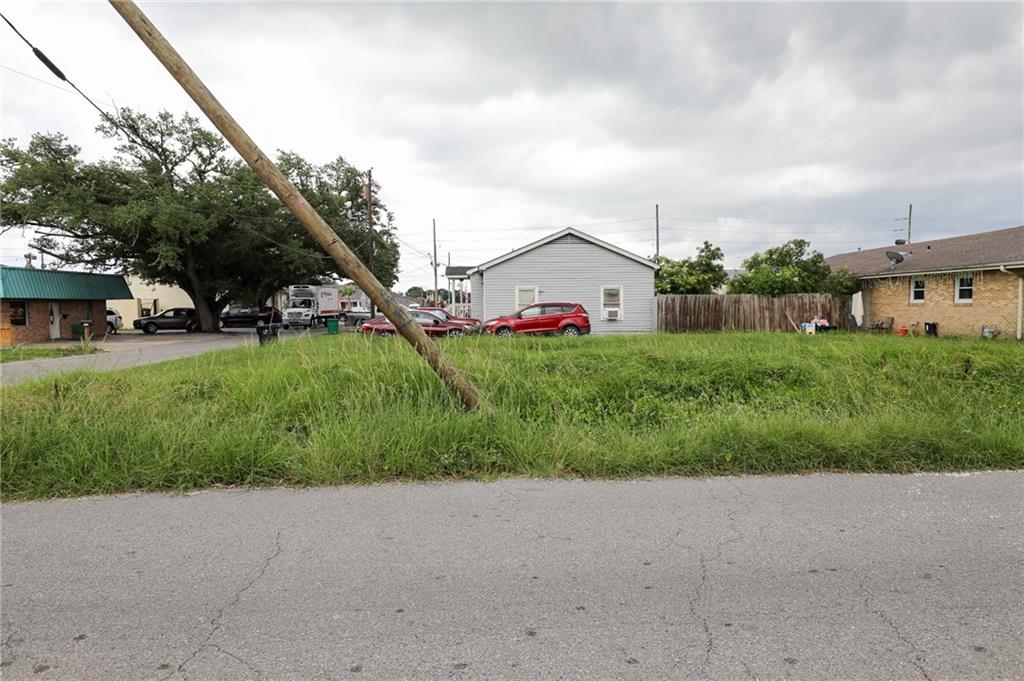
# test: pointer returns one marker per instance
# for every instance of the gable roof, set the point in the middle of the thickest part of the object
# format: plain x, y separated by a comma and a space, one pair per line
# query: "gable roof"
34, 284
568, 231
985, 250
456, 271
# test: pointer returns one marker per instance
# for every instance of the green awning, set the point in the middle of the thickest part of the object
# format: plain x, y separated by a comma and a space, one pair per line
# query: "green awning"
31, 284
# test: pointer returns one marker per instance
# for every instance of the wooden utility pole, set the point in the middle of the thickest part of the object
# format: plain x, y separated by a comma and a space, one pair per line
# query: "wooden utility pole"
657, 232
368, 193
297, 204
910, 215
434, 223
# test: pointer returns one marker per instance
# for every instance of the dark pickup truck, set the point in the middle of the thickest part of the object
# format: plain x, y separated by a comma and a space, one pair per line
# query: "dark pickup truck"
250, 316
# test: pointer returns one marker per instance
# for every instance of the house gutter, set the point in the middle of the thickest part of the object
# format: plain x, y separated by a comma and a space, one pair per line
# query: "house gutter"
888, 274
1020, 300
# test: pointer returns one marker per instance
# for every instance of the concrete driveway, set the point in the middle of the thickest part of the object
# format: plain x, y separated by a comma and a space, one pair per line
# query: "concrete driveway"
134, 349
816, 577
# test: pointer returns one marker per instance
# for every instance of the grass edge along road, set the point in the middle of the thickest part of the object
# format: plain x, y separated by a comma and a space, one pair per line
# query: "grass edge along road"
340, 409
20, 353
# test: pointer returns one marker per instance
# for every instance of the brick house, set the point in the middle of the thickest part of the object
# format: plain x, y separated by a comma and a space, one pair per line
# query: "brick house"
41, 305
961, 283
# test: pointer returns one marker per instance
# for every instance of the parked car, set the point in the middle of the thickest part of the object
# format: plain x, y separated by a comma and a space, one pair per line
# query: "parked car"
114, 321
431, 323
567, 319
472, 325
249, 316
176, 319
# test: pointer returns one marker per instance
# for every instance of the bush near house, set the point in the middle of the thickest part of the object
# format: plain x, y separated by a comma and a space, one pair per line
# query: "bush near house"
333, 409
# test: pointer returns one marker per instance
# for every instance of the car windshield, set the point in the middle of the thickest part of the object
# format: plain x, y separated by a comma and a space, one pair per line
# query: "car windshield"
301, 302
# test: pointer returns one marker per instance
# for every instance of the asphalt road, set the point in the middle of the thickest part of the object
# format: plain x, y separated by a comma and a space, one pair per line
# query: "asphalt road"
129, 350
819, 577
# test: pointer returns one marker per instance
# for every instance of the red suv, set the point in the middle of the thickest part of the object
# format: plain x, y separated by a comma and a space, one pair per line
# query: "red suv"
568, 319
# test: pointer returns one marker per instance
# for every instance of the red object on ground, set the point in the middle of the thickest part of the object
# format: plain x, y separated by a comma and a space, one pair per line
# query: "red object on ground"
568, 319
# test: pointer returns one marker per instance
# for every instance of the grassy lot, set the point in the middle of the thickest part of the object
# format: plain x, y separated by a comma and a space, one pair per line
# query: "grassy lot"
19, 354
334, 409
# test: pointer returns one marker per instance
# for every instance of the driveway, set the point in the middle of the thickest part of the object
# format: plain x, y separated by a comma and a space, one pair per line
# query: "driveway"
134, 349
815, 577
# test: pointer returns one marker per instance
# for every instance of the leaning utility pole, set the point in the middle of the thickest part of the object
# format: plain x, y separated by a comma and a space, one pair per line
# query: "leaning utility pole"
297, 204
368, 194
910, 215
657, 232
434, 222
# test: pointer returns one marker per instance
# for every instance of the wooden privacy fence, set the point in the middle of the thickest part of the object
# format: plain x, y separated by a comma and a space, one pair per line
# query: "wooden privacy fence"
747, 312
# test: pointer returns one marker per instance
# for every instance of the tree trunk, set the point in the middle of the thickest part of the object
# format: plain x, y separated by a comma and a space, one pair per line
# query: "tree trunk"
207, 311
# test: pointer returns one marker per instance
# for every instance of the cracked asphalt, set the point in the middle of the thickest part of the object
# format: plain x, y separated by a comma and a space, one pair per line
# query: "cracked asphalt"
802, 577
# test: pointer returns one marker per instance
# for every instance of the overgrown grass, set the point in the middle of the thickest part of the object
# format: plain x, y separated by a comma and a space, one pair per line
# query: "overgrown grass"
335, 409
17, 354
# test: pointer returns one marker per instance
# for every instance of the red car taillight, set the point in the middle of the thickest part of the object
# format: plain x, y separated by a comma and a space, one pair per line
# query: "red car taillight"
365, 327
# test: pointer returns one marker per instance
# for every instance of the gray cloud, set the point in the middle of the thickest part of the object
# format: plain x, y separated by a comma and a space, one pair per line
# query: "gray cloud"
749, 123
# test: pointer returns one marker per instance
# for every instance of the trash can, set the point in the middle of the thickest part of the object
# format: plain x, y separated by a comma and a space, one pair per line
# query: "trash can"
332, 327
267, 333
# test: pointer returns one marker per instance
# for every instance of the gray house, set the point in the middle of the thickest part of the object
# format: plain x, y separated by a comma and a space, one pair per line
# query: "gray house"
615, 286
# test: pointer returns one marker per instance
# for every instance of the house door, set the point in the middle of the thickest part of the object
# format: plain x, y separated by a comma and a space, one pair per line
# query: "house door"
54, 321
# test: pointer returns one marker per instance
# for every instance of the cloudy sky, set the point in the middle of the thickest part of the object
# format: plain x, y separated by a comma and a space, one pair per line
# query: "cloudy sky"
748, 124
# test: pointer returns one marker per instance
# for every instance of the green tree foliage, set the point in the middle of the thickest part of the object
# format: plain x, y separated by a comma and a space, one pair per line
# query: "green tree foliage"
173, 207
702, 274
416, 292
791, 268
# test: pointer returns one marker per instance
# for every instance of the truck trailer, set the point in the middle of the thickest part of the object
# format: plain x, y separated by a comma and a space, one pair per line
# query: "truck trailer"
311, 305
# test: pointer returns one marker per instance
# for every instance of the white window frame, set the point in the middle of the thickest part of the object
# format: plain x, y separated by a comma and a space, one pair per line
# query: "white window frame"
956, 289
924, 289
622, 302
536, 296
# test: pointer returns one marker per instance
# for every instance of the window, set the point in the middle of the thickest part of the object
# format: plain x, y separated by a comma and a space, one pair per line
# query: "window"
917, 290
611, 302
555, 309
965, 288
19, 312
525, 295
534, 311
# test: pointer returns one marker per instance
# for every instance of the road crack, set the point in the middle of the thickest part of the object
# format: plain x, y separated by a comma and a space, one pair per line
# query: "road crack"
900, 636
215, 623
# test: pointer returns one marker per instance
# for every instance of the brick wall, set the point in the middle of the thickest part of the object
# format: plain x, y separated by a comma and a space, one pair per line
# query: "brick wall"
994, 304
37, 330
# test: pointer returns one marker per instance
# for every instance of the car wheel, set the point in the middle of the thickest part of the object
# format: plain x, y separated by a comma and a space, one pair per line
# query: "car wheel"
504, 332
149, 328
220, 324
385, 334
454, 333
190, 327
570, 330
110, 328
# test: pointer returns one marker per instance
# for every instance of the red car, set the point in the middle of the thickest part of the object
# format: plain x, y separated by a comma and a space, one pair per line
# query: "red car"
444, 314
431, 323
567, 319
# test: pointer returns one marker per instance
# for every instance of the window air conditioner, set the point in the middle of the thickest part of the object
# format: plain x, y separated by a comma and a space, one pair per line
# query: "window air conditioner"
612, 314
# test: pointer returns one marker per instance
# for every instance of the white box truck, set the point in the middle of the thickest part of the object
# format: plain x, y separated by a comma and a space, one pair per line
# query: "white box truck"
311, 305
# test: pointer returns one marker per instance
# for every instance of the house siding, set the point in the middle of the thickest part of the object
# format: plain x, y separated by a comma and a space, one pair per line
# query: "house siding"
994, 304
476, 296
572, 270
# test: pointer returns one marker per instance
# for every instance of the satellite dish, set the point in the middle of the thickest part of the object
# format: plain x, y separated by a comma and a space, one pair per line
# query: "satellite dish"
894, 257
901, 242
